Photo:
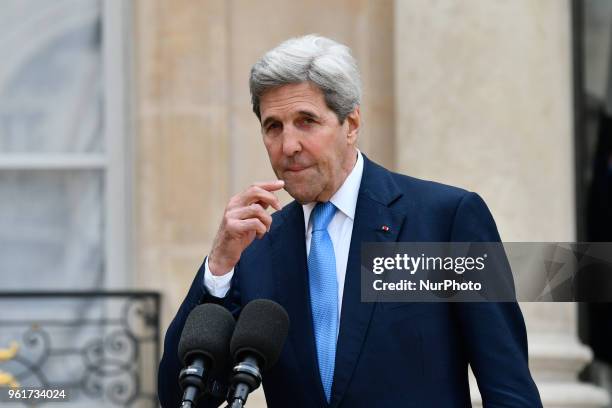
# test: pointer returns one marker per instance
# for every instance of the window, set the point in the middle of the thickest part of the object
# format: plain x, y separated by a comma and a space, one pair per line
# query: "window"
63, 145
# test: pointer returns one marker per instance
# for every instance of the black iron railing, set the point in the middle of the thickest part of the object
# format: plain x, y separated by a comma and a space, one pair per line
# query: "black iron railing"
101, 348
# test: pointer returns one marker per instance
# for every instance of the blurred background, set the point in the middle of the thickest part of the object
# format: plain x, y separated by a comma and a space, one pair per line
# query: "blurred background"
125, 126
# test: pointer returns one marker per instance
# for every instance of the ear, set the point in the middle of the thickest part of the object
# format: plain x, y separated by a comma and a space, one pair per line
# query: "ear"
354, 122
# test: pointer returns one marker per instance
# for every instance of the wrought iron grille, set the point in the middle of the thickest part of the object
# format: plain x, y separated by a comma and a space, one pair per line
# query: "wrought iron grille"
102, 348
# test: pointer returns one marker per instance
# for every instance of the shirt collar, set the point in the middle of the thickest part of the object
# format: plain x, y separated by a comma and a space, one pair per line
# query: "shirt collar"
345, 199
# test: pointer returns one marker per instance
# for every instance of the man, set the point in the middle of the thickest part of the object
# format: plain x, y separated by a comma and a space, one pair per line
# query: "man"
306, 256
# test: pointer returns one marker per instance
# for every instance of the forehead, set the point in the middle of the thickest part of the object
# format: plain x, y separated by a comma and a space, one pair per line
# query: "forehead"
292, 98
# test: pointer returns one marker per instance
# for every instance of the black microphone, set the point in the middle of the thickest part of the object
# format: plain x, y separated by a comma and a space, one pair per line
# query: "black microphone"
256, 344
203, 348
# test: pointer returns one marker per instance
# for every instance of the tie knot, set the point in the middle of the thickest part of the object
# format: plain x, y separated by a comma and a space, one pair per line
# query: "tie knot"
322, 215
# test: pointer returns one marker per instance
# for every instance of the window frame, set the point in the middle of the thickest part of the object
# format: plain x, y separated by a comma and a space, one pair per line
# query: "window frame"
113, 162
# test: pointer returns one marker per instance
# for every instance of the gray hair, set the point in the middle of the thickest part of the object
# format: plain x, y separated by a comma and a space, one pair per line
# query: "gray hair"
312, 58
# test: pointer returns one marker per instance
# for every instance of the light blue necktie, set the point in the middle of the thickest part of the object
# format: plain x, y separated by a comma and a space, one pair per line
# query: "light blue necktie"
323, 292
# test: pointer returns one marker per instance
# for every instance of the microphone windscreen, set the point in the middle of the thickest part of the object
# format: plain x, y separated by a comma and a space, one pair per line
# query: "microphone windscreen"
207, 332
261, 329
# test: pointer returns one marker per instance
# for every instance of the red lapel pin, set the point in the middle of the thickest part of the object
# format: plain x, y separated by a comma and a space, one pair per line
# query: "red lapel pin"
384, 228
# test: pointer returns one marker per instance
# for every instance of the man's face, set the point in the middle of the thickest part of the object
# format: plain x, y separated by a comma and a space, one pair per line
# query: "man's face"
308, 147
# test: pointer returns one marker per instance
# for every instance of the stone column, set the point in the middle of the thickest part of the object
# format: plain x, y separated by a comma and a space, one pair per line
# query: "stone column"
196, 139
483, 101
182, 140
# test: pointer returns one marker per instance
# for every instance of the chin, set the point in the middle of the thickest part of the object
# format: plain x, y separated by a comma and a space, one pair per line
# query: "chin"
300, 195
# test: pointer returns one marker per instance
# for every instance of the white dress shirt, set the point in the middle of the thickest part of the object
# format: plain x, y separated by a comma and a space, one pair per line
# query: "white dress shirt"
340, 230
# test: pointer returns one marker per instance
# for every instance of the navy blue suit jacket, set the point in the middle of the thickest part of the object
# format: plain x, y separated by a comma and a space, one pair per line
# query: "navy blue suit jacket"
388, 354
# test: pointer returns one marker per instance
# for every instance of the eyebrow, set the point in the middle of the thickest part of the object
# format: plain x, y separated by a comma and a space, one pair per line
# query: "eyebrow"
269, 119
309, 114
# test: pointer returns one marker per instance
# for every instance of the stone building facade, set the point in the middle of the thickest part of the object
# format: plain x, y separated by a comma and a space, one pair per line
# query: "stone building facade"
476, 94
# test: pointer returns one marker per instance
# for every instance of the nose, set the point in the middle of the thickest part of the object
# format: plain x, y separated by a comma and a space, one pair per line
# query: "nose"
291, 141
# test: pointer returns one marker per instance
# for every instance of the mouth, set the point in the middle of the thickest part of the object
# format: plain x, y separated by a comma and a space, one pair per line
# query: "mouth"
296, 169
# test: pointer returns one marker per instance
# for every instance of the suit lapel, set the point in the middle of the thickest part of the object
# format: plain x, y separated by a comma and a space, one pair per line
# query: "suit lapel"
377, 192
291, 271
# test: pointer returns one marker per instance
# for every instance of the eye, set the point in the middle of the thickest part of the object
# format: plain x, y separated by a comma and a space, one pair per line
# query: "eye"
272, 126
307, 121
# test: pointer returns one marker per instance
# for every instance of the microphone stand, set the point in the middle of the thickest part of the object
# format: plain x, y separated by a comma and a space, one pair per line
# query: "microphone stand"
191, 379
246, 379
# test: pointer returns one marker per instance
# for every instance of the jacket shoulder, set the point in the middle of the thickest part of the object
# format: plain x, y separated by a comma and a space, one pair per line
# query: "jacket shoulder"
429, 194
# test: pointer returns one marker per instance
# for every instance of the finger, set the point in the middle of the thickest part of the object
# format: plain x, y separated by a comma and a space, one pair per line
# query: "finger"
252, 211
248, 225
256, 194
273, 185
